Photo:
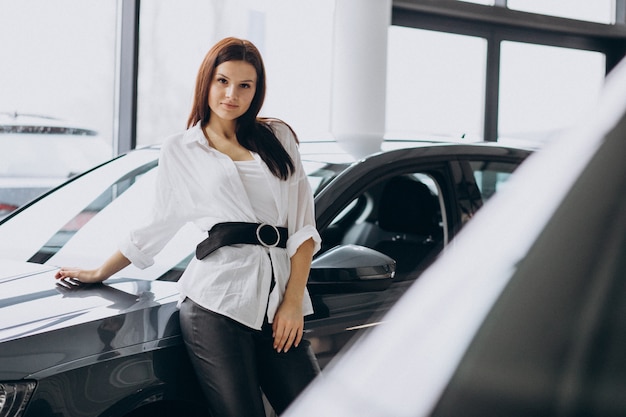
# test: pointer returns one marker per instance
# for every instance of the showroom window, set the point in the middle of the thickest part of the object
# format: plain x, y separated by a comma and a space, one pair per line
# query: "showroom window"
169, 58
541, 74
546, 89
54, 73
48, 72
295, 39
57, 86
435, 84
600, 11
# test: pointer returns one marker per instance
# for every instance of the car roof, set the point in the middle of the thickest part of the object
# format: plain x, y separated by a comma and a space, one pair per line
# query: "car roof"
332, 151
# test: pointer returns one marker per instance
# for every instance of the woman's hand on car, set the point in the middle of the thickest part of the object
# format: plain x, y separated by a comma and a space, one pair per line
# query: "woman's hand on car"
88, 276
114, 264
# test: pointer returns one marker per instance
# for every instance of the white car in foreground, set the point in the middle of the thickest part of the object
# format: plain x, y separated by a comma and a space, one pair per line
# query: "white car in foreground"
525, 313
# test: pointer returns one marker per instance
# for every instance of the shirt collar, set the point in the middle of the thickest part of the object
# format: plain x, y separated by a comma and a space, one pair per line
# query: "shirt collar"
195, 134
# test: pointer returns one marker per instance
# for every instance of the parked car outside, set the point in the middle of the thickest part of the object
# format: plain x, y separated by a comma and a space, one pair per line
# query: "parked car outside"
114, 349
38, 153
525, 315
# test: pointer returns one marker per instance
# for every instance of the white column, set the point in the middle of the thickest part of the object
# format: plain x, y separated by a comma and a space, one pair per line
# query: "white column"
359, 74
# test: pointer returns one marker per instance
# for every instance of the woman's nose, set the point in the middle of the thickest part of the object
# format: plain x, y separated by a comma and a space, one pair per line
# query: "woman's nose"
230, 91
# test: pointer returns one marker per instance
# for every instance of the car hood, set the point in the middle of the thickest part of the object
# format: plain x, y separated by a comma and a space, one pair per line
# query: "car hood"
43, 325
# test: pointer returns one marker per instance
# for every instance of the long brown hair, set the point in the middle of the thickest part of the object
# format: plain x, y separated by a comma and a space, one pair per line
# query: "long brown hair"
253, 133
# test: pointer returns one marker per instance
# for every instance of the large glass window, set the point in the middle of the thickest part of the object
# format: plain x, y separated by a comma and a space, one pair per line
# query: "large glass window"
57, 88
59, 60
545, 89
295, 39
601, 11
435, 84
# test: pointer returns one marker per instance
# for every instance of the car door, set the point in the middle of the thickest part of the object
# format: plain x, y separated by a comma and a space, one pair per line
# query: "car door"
408, 205
405, 210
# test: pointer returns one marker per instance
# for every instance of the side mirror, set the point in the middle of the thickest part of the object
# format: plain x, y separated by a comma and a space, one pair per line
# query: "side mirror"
351, 268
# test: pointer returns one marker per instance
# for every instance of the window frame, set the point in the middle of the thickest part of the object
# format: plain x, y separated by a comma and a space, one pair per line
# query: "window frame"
497, 24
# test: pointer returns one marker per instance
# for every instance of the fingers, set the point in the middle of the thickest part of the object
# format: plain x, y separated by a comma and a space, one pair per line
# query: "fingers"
86, 276
288, 326
67, 273
285, 341
298, 337
77, 274
286, 336
69, 283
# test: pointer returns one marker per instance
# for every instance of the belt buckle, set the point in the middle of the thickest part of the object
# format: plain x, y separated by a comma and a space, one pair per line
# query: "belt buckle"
261, 241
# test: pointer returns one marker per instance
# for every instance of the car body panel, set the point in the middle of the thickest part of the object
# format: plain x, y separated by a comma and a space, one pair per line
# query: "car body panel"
49, 315
114, 346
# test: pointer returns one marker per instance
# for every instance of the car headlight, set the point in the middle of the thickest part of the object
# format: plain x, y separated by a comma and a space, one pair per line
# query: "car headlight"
14, 396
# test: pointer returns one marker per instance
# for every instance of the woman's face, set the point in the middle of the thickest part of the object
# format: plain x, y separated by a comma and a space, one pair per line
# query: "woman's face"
232, 89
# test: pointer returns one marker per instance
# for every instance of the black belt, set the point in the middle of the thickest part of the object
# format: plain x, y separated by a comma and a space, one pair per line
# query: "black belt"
233, 233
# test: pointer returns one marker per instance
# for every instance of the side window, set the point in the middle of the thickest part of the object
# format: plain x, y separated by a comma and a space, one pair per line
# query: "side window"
402, 217
490, 176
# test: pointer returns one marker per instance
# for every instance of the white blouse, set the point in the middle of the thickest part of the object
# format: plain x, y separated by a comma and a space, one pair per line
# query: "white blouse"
198, 184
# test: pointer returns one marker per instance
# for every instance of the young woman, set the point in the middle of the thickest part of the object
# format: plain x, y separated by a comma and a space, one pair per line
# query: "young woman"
243, 297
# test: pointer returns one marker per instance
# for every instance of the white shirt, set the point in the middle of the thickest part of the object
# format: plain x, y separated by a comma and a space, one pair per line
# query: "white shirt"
196, 183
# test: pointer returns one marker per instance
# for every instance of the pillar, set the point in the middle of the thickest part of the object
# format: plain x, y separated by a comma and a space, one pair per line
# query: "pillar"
359, 74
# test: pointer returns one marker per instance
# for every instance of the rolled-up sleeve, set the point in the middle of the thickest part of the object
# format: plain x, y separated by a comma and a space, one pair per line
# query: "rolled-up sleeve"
130, 249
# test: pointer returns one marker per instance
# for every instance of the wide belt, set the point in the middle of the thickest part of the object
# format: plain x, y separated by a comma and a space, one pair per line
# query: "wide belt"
233, 233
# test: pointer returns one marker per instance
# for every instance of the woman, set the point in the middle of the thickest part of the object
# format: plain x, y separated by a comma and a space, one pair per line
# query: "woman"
243, 297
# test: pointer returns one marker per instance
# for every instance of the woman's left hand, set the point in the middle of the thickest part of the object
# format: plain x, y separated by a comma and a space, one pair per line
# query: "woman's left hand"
288, 325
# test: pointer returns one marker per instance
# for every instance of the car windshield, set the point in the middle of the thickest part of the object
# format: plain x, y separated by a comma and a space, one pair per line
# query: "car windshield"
84, 219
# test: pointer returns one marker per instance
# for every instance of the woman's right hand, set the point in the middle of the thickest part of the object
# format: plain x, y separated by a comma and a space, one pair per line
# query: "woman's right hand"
88, 276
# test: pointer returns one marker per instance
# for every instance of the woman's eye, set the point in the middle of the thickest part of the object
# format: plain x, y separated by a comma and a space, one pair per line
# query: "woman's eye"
222, 80
245, 85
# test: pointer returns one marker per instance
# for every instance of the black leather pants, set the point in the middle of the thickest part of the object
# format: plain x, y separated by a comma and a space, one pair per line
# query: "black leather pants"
233, 362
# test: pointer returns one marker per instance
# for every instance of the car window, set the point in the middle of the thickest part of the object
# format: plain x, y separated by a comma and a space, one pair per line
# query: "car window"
491, 176
402, 217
